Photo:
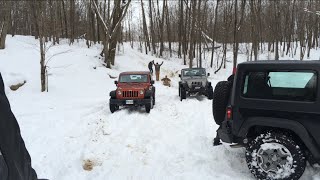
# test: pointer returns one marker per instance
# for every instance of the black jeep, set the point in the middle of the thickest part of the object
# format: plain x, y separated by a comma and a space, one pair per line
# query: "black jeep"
272, 108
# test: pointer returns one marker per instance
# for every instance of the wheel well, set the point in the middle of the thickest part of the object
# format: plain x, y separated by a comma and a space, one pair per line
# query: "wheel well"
254, 131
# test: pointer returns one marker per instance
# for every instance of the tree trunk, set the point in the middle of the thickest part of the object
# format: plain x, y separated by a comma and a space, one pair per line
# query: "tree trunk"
145, 28
4, 24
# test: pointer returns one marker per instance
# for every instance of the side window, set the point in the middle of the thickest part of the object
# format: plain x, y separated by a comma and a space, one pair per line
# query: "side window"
295, 86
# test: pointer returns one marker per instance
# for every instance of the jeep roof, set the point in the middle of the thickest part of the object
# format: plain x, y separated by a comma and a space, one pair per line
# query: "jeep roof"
192, 68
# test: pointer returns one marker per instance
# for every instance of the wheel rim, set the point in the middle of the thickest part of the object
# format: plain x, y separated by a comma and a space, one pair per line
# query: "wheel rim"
274, 156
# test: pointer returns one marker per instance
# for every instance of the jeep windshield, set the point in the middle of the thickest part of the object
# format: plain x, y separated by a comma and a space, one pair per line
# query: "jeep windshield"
194, 72
133, 78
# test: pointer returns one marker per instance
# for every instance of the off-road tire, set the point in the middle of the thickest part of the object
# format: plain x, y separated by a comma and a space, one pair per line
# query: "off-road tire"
113, 108
154, 96
183, 93
149, 106
269, 139
221, 95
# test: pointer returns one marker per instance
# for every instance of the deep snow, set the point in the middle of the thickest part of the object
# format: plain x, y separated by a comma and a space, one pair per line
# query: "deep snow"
72, 123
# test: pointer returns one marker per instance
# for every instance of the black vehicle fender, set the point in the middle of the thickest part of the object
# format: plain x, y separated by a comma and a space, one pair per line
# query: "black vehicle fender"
184, 85
294, 126
148, 94
209, 84
113, 94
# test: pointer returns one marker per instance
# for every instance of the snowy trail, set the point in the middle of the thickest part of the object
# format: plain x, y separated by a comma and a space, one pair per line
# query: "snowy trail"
72, 123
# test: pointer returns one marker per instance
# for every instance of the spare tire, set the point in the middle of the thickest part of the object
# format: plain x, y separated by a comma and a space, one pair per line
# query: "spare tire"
220, 100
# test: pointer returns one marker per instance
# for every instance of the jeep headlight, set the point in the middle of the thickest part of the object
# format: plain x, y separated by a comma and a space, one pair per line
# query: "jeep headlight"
150, 88
141, 92
119, 92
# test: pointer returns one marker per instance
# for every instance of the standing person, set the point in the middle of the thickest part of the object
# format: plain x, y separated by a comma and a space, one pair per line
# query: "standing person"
15, 160
150, 66
157, 68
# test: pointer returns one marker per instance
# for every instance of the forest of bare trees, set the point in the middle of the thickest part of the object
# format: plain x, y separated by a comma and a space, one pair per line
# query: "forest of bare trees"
182, 28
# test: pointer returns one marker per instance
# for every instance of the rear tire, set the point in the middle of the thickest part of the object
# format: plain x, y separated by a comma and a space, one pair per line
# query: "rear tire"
220, 100
275, 155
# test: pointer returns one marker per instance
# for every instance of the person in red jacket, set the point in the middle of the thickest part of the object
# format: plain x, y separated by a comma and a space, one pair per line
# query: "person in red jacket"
15, 161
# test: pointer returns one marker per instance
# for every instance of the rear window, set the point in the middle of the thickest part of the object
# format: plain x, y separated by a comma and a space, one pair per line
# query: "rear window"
295, 86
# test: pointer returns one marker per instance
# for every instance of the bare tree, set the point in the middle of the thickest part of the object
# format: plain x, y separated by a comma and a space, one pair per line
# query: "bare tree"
4, 21
111, 32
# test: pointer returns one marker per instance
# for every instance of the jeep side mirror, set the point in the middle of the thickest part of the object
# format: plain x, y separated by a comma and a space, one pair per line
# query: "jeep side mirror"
208, 74
116, 82
152, 81
179, 75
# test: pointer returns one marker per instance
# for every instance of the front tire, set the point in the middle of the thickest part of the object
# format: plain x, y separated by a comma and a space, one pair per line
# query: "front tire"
113, 108
183, 94
210, 92
275, 155
149, 106
154, 96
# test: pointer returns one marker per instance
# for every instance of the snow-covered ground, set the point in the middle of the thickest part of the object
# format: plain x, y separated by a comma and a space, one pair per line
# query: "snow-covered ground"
72, 123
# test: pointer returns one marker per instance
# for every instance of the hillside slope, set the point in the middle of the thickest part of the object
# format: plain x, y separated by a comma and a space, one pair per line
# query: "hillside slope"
72, 123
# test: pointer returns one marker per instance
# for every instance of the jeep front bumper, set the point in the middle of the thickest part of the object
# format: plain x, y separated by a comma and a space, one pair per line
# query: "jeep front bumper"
130, 102
197, 89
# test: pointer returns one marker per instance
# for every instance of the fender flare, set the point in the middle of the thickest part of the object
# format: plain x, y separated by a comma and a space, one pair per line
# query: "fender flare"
209, 84
148, 94
183, 84
113, 94
294, 126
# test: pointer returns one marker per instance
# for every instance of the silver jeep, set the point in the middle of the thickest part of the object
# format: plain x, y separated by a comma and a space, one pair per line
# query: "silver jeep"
194, 81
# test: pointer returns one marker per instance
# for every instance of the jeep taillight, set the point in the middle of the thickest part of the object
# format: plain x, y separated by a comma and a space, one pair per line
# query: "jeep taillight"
234, 70
229, 113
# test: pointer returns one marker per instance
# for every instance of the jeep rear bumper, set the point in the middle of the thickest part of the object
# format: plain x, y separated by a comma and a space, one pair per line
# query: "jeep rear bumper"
130, 102
225, 132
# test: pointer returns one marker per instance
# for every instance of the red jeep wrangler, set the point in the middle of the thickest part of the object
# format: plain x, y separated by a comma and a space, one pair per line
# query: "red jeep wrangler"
133, 89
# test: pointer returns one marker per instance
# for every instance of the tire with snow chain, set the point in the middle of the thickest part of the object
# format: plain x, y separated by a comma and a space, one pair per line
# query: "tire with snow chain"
221, 95
275, 155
